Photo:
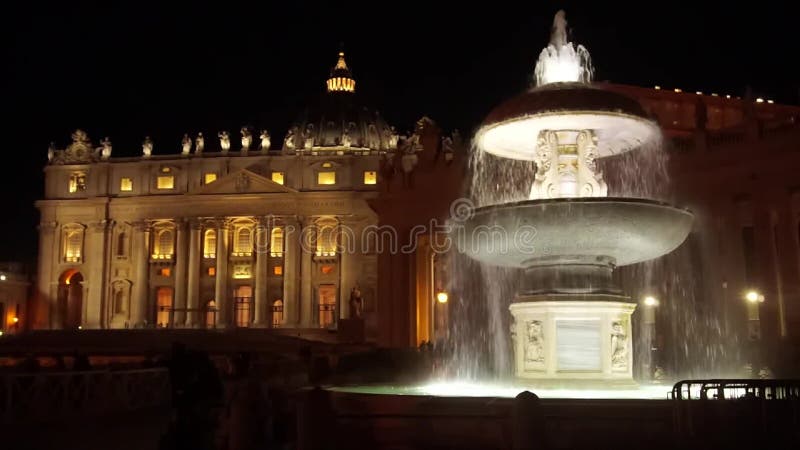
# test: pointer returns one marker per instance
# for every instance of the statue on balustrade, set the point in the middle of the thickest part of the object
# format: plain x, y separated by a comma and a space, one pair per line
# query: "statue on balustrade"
186, 145
356, 303
199, 144
265, 141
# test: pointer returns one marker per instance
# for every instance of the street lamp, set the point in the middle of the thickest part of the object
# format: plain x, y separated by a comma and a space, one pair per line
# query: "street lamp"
650, 301
754, 296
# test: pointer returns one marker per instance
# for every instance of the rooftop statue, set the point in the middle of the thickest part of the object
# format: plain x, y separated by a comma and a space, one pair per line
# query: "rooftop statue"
308, 137
147, 147
105, 149
247, 139
289, 143
199, 143
265, 140
186, 145
224, 141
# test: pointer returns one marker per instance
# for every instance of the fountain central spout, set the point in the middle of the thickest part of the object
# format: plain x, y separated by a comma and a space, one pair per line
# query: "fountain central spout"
561, 61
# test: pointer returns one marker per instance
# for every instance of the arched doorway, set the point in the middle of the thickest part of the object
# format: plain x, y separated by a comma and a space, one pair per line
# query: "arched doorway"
70, 299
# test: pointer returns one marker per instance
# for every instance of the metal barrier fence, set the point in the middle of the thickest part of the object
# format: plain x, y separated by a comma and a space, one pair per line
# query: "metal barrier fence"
729, 389
43, 396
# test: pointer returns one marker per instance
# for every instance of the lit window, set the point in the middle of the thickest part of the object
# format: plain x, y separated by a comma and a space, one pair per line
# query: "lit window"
209, 178
326, 178
276, 242
277, 177
277, 270
243, 244
326, 269
165, 182
211, 314
277, 313
125, 184
370, 177
164, 303
165, 272
73, 241
77, 182
210, 244
212, 271
163, 244
326, 237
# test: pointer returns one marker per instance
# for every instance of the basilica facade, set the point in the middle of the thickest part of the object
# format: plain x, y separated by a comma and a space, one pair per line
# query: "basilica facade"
226, 232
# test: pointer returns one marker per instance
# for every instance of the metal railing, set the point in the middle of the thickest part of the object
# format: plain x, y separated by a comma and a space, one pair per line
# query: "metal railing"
729, 389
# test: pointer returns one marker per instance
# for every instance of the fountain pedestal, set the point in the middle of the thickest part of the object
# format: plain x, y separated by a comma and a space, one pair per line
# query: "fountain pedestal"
573, 337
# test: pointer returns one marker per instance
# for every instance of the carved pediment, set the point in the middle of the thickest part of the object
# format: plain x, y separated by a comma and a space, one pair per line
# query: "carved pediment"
244, 181
78, 152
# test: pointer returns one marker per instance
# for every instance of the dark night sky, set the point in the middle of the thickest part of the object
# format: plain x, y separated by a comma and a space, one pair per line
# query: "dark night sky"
139, 69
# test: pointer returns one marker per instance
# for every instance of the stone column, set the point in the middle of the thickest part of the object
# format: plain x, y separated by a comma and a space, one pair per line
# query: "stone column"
141, 258
261, 252
291, 270
94, 277
46, 278
193, 275
181, 258
306, 252
221, 292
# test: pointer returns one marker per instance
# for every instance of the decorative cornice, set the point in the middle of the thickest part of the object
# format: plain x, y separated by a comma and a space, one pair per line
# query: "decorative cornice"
47, 227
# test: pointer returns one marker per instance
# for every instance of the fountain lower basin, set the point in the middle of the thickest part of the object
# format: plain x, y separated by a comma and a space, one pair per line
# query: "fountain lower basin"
606, 230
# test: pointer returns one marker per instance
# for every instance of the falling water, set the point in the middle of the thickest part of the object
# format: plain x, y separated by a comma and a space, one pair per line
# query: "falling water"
692, 340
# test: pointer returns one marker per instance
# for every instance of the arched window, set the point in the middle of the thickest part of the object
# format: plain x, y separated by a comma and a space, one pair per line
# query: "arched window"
277, 313
276, 242
73, 243
164, 307
122, 244
210, 244
243, 245
163, 244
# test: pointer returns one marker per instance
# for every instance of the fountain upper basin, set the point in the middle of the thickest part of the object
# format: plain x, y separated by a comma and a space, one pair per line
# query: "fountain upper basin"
619, 122
553, 231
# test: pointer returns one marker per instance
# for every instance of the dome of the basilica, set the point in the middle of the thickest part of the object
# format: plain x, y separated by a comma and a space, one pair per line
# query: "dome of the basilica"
338, 122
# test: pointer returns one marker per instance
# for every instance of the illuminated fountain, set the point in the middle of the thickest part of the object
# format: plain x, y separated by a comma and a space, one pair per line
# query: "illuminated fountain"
571, 322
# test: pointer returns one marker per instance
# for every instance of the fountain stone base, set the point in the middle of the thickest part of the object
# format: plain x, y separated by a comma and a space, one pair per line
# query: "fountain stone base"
559, 337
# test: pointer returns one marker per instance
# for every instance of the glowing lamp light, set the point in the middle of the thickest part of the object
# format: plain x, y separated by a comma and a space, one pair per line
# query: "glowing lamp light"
754, 297
80, 327
441, 297
678, 90
759, 100
15, 319
658, 87
650, 301
1, 333
3, 277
